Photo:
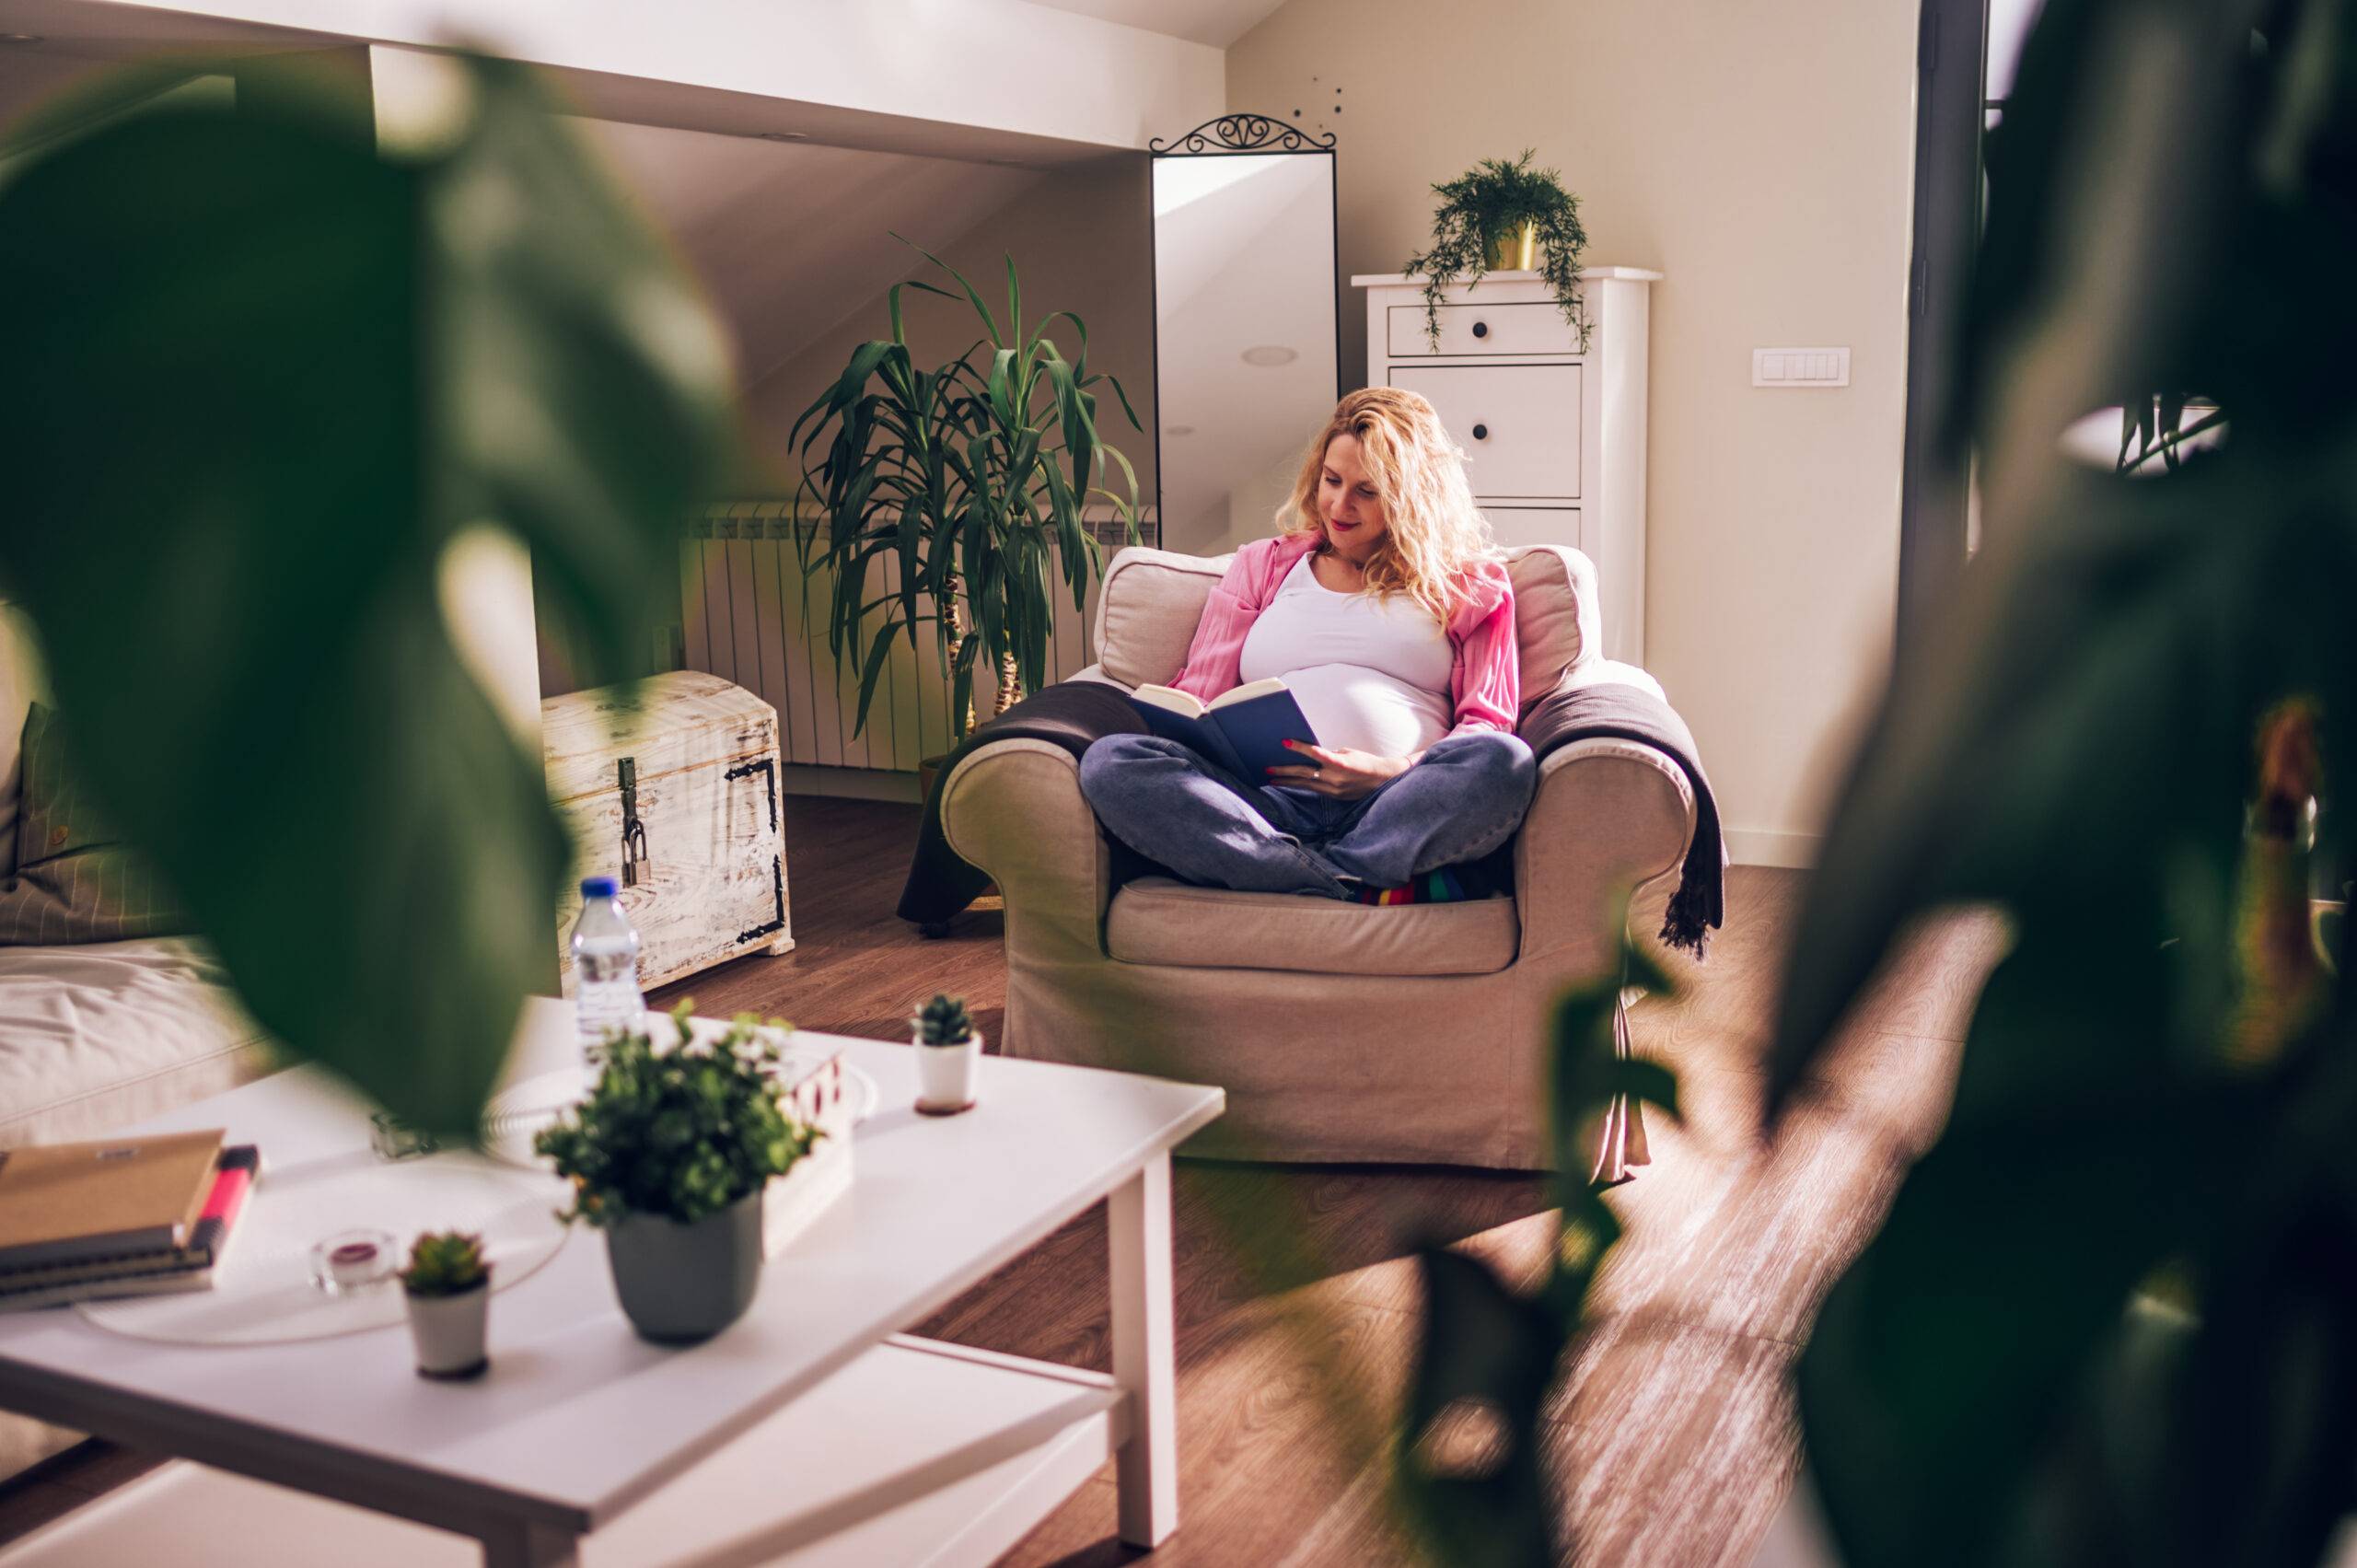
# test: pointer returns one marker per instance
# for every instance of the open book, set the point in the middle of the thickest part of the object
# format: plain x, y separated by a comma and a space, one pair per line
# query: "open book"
1244, 730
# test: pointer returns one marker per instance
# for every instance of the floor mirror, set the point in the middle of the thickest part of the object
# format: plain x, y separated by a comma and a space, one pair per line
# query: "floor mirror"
1247, 338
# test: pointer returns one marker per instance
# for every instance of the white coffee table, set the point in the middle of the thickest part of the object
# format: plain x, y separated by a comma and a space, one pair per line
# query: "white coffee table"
811, 1432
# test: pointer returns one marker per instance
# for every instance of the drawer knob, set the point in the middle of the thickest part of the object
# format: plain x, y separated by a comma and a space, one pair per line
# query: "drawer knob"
1480, 329
1480, 432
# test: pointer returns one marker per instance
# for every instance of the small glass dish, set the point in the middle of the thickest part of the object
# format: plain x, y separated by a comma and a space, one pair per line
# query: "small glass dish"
353, 1260
393, 1139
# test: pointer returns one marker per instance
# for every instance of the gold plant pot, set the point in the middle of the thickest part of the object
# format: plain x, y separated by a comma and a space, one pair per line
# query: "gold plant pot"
1515, 249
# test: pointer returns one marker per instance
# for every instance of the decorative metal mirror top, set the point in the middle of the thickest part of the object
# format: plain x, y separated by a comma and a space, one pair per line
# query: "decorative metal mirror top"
1247, 339
1232, 133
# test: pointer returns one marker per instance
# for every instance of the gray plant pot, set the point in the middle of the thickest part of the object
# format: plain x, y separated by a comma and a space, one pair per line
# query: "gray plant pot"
679, 1283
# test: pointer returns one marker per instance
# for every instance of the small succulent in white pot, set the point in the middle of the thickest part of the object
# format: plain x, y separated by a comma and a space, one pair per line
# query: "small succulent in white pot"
949, 1052
448, 1286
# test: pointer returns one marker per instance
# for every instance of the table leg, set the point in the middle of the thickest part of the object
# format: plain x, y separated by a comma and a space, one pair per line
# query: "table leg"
522, 1543
1139, 1260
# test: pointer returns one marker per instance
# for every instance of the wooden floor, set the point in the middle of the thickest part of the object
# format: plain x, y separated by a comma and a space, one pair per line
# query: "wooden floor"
1672, 1429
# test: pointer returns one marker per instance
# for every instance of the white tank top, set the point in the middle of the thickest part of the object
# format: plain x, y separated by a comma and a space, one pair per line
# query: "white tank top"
1371, 671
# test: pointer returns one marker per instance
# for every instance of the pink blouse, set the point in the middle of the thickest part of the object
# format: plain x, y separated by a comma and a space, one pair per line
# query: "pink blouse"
1484, 683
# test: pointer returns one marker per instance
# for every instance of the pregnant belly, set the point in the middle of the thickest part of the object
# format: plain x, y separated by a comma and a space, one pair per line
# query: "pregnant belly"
1365, 710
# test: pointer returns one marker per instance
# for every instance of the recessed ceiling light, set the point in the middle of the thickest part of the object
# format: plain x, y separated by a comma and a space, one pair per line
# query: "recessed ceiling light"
1178, 430
19, 38
1266, 355
783, 135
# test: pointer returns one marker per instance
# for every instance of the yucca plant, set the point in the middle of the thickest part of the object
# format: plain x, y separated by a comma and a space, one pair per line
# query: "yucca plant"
970, 481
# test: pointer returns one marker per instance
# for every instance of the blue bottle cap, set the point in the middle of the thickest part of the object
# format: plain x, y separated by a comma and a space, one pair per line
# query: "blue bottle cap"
597, 887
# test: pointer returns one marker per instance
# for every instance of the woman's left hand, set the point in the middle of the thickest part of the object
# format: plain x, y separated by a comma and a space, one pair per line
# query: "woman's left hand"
1338, 772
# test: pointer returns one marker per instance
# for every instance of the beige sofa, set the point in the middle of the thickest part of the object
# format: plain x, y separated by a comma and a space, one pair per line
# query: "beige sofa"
97, 1036
1342, 1032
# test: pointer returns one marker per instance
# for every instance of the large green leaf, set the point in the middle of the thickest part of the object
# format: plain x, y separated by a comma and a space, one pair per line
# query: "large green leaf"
260, 377
2098, 1321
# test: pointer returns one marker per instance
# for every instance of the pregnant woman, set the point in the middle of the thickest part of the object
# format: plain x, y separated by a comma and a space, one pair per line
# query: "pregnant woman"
1387, 609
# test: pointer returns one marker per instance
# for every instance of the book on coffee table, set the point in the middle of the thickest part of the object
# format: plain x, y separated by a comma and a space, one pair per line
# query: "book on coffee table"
109, 1198
1244, 731
161, 1271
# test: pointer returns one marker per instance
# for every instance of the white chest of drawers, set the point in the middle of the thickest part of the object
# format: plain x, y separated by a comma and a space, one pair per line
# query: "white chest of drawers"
1556, 429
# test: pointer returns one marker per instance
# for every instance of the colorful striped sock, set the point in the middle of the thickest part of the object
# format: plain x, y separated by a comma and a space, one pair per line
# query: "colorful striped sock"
1441, 887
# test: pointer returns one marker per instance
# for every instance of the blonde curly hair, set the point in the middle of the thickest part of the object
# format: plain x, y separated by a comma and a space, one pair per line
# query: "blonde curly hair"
1434, 533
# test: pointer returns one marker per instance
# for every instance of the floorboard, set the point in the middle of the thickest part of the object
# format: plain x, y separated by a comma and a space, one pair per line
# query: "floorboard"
1671, 1433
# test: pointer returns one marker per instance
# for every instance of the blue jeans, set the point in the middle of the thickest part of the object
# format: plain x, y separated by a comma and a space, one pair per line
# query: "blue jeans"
1464, 799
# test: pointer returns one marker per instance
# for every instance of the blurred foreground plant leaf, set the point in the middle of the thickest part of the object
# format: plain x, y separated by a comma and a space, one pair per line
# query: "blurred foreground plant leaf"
260, 377
2097, 1322
1471, 1471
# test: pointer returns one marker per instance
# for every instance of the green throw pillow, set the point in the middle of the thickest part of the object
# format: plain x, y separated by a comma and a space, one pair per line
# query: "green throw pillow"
74, 881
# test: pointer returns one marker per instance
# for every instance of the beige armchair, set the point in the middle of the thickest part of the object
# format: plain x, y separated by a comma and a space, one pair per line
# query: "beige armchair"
1342, 1032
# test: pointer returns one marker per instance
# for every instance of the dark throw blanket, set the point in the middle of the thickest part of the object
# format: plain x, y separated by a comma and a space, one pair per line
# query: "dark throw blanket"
1074, 713
1070, 714
1621, 711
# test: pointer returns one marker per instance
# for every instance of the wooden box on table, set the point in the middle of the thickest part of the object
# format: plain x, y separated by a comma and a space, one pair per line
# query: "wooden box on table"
675, 796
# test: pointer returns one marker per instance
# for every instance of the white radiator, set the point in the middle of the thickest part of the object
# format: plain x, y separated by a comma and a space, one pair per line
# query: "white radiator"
742, 613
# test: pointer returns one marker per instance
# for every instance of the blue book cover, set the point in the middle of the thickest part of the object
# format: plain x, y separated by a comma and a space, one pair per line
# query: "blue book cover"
1244, 730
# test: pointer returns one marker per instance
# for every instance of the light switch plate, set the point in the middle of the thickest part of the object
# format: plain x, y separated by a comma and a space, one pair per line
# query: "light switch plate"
1800, 367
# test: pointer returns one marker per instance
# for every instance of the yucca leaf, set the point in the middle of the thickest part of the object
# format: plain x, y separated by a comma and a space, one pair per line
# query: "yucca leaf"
990, 322
877, 652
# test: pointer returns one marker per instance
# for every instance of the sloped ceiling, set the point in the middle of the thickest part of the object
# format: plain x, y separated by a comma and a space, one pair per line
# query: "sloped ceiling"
1216, 22
791, 236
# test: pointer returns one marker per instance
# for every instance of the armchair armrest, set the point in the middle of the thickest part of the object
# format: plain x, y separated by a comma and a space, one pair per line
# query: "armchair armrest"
1014, 807
1609, 816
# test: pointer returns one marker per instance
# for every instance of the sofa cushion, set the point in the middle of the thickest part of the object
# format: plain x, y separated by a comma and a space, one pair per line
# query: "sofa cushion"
1157, 920
94, 1037
19, 687
74, 881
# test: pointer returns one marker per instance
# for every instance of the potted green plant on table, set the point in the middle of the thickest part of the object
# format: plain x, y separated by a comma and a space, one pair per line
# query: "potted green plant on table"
448, 1287
967, 486
949, 1051
669, 1156
1508, 216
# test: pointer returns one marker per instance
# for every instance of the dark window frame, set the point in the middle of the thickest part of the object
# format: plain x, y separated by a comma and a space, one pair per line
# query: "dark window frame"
1936, 488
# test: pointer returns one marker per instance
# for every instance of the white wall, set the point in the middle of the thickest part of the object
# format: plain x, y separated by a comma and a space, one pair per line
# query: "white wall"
1080, 242
1001, 66
1762, 157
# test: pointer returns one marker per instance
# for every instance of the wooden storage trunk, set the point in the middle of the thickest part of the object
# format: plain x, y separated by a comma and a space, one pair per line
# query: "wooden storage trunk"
677, 800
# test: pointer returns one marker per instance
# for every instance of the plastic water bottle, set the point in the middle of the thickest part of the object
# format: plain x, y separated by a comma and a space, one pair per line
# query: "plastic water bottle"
606, 997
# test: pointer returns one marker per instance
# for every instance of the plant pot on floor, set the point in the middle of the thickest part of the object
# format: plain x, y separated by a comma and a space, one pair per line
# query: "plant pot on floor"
448, 1331
680, 1284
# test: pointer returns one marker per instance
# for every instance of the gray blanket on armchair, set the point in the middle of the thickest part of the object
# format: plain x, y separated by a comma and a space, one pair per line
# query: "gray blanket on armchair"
1074, 713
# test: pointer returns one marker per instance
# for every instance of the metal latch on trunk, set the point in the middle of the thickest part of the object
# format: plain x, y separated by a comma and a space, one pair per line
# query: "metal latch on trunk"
636, 868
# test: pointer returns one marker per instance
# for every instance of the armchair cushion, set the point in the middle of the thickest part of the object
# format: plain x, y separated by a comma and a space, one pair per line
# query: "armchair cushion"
1555, 616
1147, 610
1157, 920
1151, 601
